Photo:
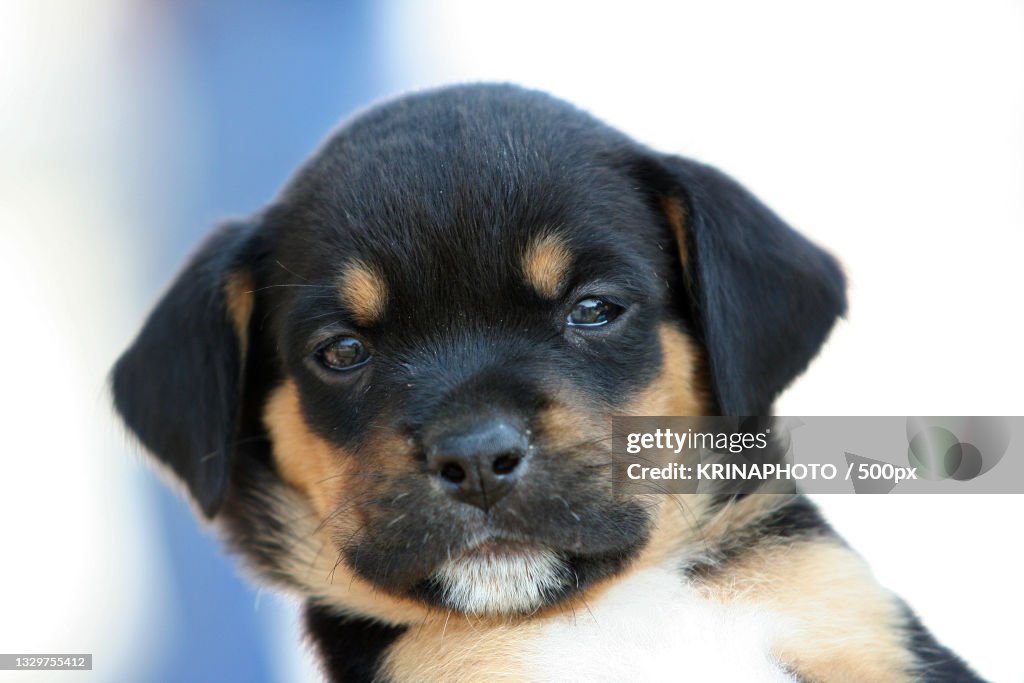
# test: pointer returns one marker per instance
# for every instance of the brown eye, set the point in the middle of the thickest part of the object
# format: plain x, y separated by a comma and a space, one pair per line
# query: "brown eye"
343, 353
592, 312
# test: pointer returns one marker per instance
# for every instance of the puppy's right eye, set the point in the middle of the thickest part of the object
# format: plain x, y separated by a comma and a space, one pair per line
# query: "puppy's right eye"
593, 312
343, 353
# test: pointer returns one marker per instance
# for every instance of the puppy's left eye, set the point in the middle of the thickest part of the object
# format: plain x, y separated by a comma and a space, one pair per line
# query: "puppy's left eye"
343, 353
593, 312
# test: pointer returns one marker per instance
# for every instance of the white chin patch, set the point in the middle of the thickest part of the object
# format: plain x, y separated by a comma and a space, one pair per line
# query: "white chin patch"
500, 581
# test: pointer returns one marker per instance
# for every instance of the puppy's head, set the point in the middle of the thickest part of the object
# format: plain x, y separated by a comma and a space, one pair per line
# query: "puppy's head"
421, 343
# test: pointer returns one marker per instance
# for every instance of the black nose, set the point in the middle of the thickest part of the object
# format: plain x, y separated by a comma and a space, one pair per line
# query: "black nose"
479, 463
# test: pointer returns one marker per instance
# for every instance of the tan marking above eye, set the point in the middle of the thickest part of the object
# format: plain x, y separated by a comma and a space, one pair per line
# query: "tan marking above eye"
546, 265
364, 292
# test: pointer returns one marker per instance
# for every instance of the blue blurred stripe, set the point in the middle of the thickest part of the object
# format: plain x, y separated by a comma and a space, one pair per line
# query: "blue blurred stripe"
269, 79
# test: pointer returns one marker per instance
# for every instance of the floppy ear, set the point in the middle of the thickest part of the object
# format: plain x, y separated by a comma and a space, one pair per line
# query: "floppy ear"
178, 386
763, 296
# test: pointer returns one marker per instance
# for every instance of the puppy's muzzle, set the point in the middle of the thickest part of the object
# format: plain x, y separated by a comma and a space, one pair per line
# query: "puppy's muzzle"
480, 462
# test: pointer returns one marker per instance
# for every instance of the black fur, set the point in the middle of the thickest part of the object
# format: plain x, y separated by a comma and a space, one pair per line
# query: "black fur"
765, 296
179, 386
798, 518
350, 649
795, 518
938, 664
442, 193
475, 161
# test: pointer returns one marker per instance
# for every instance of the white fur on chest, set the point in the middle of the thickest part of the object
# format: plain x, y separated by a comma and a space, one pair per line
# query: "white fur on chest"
654, 627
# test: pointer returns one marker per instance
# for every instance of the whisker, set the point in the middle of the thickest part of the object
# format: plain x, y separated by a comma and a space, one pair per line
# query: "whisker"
287, 284
289, 270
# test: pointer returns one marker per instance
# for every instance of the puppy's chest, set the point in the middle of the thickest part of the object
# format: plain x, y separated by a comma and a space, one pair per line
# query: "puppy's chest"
648, 627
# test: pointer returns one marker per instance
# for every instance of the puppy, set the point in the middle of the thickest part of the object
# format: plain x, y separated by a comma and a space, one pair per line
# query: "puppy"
392, 390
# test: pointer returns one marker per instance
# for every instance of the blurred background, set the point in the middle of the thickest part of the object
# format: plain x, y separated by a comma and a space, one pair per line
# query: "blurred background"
890, 132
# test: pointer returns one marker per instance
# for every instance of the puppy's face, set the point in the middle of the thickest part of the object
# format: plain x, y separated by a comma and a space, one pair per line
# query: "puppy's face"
427, 335
456, 347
